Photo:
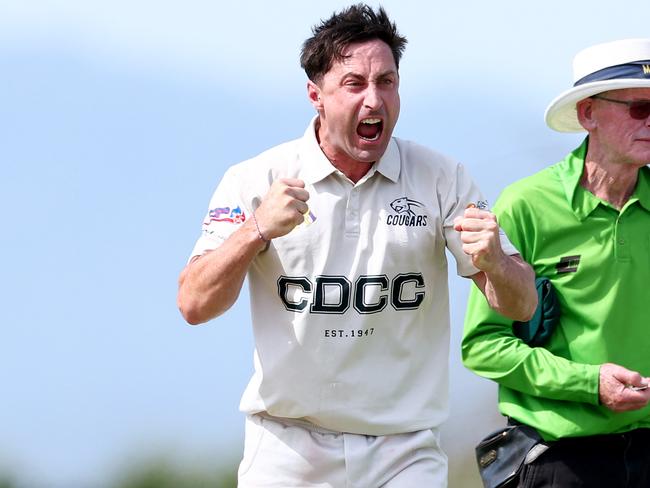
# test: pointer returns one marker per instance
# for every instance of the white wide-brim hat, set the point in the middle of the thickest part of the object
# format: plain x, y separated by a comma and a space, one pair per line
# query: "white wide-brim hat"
597, 69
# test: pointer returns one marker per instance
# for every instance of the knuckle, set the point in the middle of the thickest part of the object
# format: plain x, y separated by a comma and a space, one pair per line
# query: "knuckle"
483, 245
491, 225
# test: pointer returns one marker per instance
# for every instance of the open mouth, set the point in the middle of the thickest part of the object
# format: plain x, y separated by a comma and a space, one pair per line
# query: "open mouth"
370, 129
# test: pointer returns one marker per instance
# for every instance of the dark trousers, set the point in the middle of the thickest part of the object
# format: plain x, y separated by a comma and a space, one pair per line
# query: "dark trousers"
607, 461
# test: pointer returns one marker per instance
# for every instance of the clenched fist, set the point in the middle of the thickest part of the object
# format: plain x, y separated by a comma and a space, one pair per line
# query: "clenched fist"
282, 208
479, 233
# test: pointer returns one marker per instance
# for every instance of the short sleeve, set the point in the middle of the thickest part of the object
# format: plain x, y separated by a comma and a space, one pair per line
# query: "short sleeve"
463, 192
226, 213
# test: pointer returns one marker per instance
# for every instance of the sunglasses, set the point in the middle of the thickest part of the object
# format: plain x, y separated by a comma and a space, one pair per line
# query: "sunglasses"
638, 110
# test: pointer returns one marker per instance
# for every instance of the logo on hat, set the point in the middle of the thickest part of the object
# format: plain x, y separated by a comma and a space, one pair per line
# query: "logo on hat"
610, 66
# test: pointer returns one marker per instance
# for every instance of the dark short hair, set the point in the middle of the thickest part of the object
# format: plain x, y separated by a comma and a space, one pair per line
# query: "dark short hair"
357, 23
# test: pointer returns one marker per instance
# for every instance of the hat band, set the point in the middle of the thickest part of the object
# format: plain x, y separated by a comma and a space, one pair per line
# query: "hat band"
637, 69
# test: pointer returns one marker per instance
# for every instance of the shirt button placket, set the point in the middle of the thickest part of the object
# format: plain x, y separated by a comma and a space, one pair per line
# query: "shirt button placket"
620, 241
352, 214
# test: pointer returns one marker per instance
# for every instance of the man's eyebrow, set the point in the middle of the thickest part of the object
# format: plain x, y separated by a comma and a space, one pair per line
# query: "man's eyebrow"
353, 74
384, 74
388, 74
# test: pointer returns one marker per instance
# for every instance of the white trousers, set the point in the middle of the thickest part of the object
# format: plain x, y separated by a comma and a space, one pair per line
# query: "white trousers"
283, 453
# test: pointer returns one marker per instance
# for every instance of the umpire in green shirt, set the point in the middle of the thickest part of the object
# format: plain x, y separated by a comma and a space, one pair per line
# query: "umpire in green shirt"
584, 224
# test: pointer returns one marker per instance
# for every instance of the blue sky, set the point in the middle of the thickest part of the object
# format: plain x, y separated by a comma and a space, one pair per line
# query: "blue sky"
117, 121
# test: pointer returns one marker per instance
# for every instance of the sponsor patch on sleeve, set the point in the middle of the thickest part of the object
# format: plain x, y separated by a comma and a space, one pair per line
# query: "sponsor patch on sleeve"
223, 214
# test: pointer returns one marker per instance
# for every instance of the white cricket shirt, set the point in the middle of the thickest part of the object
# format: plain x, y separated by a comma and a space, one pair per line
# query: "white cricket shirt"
350, 310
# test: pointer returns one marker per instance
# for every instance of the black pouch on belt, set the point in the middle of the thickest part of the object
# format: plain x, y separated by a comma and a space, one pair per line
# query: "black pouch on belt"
501, 455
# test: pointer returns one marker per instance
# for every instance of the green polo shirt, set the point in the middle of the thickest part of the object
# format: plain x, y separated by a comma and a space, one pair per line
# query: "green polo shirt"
598, 259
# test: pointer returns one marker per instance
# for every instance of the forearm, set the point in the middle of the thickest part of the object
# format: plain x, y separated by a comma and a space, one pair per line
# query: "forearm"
510, 288
490, 349
210, 284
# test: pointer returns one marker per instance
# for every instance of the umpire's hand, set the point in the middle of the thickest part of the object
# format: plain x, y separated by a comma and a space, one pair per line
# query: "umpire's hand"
617, 388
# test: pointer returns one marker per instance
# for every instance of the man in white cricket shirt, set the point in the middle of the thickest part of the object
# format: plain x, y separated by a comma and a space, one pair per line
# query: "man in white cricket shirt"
342, 234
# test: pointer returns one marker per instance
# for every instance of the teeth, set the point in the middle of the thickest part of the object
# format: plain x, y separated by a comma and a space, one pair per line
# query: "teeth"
371, 121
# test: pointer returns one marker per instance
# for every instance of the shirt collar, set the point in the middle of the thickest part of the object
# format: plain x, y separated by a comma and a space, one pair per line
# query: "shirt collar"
583, 201
642, 190
317, 167
390, 163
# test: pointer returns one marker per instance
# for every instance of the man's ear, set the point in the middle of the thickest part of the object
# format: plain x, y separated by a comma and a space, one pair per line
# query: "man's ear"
313, 93
584, 109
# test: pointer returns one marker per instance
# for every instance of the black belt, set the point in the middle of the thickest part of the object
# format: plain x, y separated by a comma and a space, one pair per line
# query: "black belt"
641, 434
609, 439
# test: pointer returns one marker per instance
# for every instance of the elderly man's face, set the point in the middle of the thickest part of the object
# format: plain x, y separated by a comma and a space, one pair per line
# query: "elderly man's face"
621, 138
358, 103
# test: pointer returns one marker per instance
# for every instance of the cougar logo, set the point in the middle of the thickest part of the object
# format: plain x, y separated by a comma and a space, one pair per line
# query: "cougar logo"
406, 216
403, 206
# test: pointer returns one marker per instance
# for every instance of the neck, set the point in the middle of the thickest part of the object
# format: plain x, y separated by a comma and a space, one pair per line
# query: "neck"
612, 182
352, 169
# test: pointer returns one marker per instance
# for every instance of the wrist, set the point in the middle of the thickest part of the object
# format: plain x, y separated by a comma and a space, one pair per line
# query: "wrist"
262, 236
496, 268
